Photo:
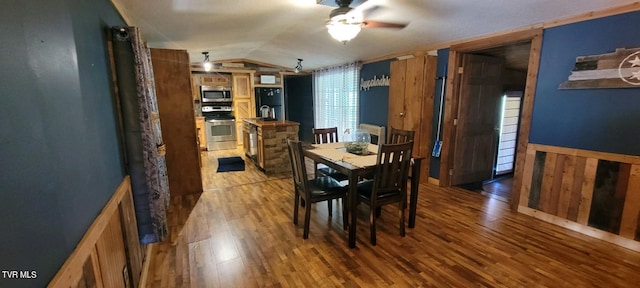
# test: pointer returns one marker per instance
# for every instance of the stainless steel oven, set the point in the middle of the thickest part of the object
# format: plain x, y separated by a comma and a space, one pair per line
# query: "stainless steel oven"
221, 134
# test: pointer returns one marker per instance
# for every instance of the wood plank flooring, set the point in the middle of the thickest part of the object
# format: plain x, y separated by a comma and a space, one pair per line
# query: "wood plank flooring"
239, 233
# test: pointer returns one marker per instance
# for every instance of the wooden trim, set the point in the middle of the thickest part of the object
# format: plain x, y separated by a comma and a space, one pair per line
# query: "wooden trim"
146, 265
594, 15
121, 11
450, 113
433, 181
587, 153
586, 230
451, 100
526, 114
195, 68
68, 275
97, 273
498, 39
631, 210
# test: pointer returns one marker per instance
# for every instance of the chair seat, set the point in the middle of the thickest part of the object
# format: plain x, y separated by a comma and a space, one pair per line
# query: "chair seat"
333, 173
325, 186
365, 188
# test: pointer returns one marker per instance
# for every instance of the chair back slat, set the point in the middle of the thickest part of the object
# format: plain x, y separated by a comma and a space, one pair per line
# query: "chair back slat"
325, 135
401, 136
392, 170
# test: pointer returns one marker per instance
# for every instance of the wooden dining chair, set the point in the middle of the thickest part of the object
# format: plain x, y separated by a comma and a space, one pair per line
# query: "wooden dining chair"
314, 190
322, 136
377, 133
389, 184
401, 136
325, 135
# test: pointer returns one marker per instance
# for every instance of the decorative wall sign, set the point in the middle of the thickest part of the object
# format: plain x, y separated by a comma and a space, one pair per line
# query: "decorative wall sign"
374, 82
620, 69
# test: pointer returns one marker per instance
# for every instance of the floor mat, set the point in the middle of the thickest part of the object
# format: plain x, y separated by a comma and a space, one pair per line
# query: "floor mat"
229, 164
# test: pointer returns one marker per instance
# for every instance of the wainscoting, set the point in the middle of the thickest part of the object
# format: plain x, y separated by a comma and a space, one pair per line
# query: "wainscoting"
109, 254
594, 193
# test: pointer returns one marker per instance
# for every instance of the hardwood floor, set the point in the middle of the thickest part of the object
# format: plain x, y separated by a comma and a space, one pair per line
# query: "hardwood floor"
498, 188
239, 233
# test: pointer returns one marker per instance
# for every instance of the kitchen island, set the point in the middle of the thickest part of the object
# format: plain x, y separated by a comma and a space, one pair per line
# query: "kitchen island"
266, 142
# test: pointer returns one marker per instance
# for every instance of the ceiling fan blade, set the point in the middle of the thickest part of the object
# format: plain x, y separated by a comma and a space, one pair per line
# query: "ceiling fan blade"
378, 24
367, 12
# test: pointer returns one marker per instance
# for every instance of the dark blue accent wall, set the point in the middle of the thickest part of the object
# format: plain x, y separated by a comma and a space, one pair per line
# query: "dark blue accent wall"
441, 73
60, 159
374, 103
605, 120
298, 94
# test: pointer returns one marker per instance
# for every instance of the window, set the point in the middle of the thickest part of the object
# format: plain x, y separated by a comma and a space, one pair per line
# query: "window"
508, 132
335, 97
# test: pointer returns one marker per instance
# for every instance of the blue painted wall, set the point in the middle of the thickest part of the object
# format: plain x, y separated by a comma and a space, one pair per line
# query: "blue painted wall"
60, 159
374, 103
605, 120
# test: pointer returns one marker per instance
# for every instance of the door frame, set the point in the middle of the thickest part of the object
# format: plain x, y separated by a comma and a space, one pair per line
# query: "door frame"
452, 100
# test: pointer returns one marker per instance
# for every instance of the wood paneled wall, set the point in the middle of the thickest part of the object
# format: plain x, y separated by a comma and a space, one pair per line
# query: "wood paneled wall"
109, 247
411, 94
594, 193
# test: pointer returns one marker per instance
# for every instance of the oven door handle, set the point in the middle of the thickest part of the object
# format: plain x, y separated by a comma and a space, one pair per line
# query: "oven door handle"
218, 121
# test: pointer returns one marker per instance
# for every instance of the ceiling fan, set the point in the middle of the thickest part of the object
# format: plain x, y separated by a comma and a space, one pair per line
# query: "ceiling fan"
345, 22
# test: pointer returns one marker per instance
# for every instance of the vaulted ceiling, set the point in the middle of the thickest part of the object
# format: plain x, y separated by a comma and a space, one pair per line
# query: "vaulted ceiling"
281, 31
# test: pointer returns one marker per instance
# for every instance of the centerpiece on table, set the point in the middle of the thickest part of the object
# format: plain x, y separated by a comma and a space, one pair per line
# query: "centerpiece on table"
357, 141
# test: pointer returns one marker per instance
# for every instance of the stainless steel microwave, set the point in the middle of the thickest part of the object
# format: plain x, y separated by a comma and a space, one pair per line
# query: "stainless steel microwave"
215, 94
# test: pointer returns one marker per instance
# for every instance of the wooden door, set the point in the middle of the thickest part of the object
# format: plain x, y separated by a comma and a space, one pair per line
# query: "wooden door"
242, 101
477, 119
396, 94
413, 94
173, 90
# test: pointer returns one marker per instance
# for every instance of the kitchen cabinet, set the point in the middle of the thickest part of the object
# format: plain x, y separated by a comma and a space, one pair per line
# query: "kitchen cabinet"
207, 79
173, 91
268, 79
200, 129
215, 80
243, 100
411, 94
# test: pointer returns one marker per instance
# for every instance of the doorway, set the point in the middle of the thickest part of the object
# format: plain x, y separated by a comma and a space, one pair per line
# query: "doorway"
518, 53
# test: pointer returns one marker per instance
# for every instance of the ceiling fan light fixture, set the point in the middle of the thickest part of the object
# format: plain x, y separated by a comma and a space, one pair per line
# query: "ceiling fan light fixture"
206, 64
343, 31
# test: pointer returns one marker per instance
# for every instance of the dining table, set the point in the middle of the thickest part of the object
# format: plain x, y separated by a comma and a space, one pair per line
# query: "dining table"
356, 167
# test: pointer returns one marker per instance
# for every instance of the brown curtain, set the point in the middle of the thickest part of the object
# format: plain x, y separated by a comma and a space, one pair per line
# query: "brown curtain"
142, 134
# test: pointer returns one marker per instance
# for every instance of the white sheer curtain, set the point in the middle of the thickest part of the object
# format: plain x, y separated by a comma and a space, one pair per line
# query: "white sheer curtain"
335, 97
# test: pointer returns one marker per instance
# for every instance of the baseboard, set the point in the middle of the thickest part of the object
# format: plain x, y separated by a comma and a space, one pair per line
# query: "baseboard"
433, 181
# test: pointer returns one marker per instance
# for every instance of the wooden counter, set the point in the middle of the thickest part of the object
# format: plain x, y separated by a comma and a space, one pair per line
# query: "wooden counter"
273, 123
271, 153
